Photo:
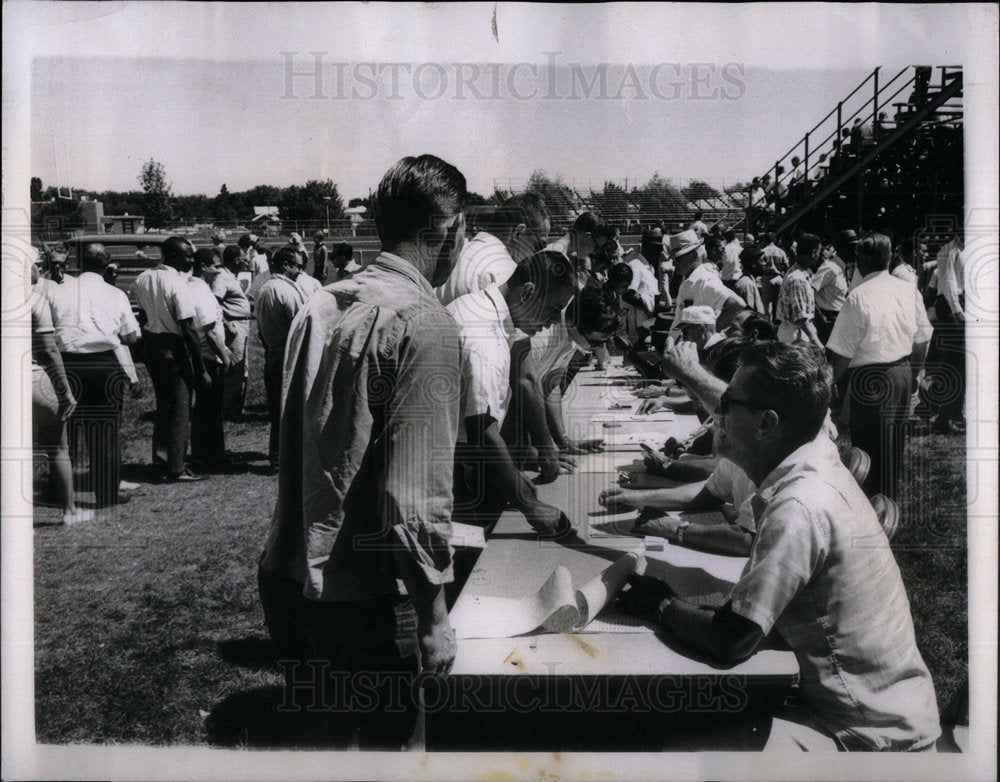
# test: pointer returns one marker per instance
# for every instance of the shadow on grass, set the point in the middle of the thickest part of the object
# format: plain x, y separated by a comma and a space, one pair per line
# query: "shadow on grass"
254, 653
258, 718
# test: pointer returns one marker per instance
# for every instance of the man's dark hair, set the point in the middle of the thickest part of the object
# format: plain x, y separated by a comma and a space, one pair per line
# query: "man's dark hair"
174, 249
244, 241
526, 208
729, 235
231, 257
586, 223
697, 215
282, 257
713, 245
596, 311
343, 250
94, 257
907, 247
620, 275
202, 257
792, 379
807, 244
758, 327
546, 269
413, 194
723, 358
874, 251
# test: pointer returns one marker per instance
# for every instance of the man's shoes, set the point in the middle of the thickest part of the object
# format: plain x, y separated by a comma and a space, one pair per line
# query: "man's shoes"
185, 477
78, 516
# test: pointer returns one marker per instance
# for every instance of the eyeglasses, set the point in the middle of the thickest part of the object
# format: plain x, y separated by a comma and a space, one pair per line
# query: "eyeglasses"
727, 401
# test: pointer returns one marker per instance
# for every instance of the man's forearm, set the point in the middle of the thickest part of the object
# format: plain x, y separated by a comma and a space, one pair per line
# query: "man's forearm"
501, 473
918, 356
704, 385
553, 416
681, 497
715, 632
729, 539
193, 348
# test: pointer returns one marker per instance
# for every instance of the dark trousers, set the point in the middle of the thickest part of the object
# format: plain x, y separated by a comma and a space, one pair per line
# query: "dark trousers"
99, 385
949, 336
284, 614
880, 403
169, 366
365, 660
824, 320
208, 442
272, 389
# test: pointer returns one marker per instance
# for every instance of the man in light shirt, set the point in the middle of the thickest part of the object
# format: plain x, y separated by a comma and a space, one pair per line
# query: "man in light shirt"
702, 284
949, 306
208, 445
236, 315
839, 604
91, 325
172, 354
488, 320
509, 234
881, 338
830, 285
796, 300
731, 271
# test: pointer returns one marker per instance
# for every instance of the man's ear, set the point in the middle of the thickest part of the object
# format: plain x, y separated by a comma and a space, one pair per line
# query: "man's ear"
767, 423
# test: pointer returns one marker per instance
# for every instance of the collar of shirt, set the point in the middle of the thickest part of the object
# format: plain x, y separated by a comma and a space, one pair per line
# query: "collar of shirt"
813, 456
503, 312
873, 275
401, 266
162, 267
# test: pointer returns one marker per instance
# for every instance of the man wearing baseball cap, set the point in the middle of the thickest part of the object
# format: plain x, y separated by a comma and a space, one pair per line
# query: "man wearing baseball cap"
702, 285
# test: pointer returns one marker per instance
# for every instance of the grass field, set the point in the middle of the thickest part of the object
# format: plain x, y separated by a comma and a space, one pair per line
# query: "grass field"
147, 620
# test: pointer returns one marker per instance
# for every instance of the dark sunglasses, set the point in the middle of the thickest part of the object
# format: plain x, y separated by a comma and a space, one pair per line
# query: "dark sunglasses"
727, 401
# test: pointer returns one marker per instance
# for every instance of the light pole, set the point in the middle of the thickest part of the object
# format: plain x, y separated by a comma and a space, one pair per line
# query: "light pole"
327, 199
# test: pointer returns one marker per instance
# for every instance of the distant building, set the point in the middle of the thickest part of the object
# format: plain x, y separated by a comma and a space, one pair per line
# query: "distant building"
265, 220
123, 224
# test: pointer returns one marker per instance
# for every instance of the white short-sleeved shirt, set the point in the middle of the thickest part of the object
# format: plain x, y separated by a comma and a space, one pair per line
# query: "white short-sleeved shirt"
880, 322
732, 268
486, 332
307, 285
484, 261
906, 273
94, 317
552, 348
704, 287
207, 317
830, 285
730, 484
822, 574
644, 284
163, 294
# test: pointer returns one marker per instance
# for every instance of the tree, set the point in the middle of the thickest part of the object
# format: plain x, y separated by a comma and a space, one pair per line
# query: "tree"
612, 203
157, 199
37, 193
659, 201
308, 203
697, 189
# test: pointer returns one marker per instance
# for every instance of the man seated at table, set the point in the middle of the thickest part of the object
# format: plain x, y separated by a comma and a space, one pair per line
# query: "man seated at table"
838, 603
486, 476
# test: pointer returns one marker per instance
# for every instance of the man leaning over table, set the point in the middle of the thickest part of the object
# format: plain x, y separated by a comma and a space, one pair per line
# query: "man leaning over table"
840, 605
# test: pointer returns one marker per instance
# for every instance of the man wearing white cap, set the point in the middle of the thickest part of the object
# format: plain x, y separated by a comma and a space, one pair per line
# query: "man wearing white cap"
697, 325
702, 285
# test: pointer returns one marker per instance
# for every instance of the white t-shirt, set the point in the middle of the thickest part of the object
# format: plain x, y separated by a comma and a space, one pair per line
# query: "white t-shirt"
484, 261
880, 322
486, 333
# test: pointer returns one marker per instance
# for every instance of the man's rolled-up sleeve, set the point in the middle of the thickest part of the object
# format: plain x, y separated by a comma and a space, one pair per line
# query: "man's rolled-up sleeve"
788, 550
421, 430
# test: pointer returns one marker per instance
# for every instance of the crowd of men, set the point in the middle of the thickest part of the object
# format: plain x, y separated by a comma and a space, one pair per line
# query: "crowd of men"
423, 387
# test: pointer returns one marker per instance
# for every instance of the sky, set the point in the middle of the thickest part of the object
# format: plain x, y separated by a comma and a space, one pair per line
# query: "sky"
205, 90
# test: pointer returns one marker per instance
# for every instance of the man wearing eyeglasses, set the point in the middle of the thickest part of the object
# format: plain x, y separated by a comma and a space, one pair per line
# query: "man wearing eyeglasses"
820, 573
278, 302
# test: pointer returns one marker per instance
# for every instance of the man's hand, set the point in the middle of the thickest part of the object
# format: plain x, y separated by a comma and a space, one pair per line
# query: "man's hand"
577, 447
548, 464
548, 521
959, 316
680, 359
660, 526
204, 381
437, 646
66, 406
651, 405
651, 392
617, 498
642, 597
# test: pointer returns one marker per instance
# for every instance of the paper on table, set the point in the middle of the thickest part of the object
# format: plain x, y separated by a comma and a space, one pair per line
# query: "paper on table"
556, 607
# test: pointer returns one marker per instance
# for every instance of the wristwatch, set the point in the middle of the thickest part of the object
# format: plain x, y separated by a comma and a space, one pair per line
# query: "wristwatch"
679, 537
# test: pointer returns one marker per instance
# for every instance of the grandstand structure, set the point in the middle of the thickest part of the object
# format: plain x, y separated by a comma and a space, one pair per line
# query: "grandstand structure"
887, 157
